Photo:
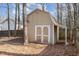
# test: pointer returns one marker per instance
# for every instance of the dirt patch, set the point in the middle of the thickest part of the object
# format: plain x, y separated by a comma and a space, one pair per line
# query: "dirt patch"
15, 47
36, 49
31, 49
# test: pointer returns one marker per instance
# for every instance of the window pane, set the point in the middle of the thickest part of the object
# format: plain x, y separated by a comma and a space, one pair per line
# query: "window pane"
38, 30
45, 31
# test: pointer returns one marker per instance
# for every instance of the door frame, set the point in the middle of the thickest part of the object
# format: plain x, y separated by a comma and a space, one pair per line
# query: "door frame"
42, 26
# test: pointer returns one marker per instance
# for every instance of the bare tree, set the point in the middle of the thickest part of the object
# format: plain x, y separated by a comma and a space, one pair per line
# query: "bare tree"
72, 20
15, 18
25, 24
8, 19
70, 27
18, 16
75, 22
59, 13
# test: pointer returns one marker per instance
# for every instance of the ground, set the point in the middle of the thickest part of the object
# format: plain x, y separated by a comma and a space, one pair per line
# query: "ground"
12, 47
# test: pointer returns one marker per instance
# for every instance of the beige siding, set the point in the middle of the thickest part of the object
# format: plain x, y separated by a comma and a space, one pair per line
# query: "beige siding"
37, 18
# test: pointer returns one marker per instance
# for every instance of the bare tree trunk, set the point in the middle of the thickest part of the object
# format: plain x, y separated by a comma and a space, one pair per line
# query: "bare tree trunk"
77, 24
70, 22
58, 12
8, 19
25, 25
18, 16
61, 13
15, 18
75, 21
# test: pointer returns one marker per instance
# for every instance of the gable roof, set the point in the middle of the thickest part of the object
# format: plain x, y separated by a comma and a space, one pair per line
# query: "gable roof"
35, 11
6, 20
52, 18
44, 12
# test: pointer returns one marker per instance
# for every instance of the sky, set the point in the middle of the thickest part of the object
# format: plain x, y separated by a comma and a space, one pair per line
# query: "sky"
50, 7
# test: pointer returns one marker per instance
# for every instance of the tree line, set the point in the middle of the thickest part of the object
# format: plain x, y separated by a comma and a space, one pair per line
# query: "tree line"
72, 20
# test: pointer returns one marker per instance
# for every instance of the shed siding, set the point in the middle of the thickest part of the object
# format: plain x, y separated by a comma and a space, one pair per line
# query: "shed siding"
37, 18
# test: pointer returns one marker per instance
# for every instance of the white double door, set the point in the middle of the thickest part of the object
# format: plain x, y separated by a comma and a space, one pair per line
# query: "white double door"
42, 33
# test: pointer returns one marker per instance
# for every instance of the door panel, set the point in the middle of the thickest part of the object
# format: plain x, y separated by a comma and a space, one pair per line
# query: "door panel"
45, 34
45, 39
39, 39
42, 33
45, 31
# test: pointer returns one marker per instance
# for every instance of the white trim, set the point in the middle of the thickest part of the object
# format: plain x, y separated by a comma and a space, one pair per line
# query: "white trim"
53, 35
55, 23
35, 34
42, 34
57, 33
66, 43
49, 34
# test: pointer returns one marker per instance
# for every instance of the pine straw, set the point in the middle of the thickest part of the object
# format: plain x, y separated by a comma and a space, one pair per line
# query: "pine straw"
36, 49
31, 49
14, 46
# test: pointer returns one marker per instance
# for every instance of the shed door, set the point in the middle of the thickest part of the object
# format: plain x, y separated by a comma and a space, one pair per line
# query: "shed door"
42, 33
